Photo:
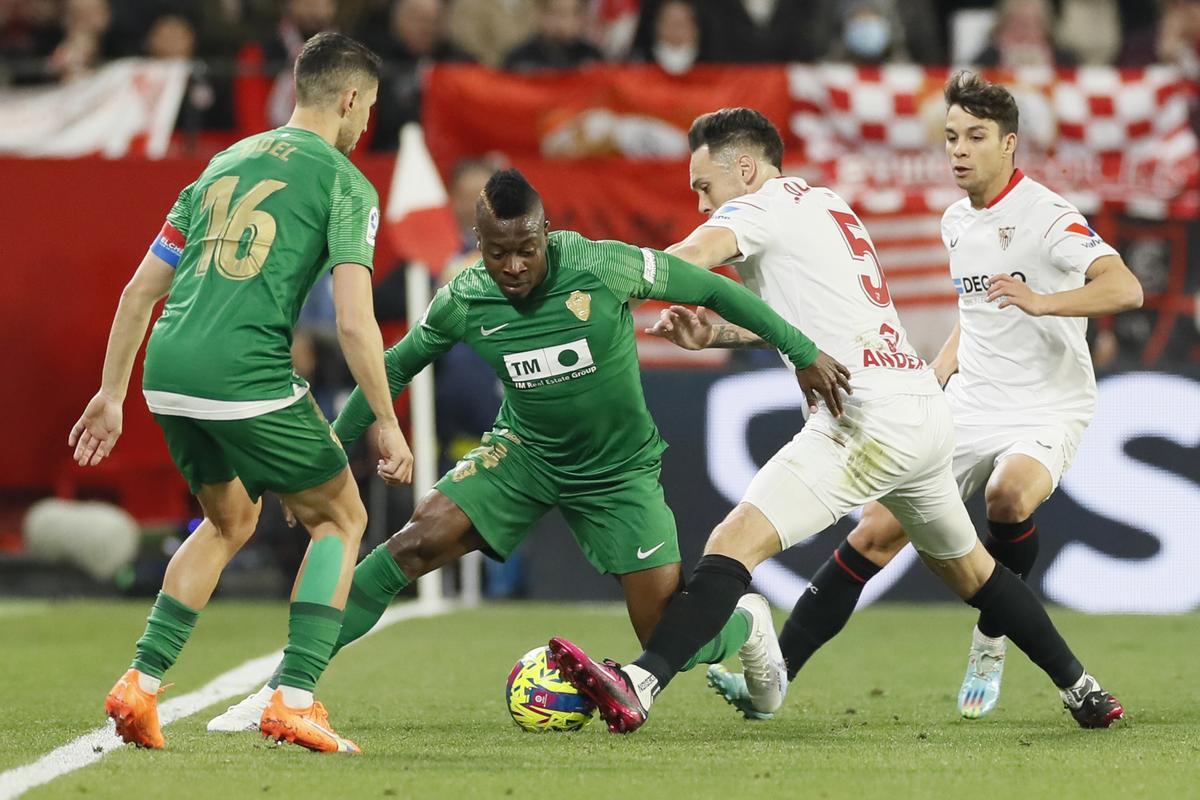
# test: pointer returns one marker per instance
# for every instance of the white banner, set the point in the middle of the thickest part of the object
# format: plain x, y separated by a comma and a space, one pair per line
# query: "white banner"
128, 106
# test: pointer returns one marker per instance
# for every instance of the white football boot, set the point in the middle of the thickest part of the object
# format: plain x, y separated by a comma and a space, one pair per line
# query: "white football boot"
762, 661
244, 715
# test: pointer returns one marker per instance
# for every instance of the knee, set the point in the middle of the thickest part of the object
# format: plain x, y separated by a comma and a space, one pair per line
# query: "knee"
745, 535
1007, 503
877, 543
237, 526
413, 549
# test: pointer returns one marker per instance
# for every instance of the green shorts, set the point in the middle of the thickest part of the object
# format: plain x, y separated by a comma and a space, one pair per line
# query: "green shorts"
622, 524
283, 451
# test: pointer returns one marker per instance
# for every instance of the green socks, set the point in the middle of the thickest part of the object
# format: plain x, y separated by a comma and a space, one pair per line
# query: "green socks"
312, 631
724, 644
167, 630
377, 579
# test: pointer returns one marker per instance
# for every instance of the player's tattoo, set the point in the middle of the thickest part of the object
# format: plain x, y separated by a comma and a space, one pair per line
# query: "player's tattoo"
731, 337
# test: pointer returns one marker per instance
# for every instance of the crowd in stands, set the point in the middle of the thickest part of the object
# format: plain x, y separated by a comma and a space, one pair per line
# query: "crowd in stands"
45, 41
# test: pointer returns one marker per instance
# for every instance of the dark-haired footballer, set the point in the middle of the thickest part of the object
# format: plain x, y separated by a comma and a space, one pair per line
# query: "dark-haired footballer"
239, 253
806, 253
1028, 270
550, 313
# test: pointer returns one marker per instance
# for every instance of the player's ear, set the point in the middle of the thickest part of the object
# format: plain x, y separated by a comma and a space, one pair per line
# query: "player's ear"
746, 168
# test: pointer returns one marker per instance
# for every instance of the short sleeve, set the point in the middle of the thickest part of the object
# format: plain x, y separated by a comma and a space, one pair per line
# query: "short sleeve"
180, 215
750, 222
1071, 245
169, 243
353, 219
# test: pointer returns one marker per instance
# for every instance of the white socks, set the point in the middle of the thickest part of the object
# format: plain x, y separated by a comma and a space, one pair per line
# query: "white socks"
1074, 694
263, 696
148, 683
298, 699
987, 644
644, 684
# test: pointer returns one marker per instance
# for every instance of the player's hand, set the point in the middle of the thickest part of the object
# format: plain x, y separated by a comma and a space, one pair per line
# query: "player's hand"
822, 380
96, 433
943, 372
1012, 291
689, 329
395, 459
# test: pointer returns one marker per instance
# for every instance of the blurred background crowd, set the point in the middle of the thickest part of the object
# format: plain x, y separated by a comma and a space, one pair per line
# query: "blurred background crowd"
45, 41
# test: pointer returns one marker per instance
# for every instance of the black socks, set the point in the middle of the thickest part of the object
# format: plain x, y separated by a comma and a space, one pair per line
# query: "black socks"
1015, 545
825, 606
694, 616
1013, 605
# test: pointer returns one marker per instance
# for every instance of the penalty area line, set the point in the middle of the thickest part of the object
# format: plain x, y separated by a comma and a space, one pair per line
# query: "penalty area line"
96, 744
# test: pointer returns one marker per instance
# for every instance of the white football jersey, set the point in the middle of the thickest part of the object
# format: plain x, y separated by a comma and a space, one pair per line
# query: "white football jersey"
807, 255
1013, 367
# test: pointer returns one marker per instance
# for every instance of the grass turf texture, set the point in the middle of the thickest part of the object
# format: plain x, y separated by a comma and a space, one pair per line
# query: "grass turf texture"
872, 715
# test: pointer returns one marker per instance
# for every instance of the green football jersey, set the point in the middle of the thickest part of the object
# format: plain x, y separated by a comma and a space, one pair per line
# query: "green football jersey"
566, 354
259, 226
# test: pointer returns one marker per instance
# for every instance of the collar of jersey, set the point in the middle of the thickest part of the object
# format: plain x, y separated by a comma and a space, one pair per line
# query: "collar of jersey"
1008, 187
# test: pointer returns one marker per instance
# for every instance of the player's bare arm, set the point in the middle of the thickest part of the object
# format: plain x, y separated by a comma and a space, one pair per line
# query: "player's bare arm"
96, 432
692, 330
362, 345
1110, 289
945, 363
708, 247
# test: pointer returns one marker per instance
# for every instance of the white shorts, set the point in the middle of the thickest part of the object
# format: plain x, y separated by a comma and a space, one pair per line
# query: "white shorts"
896, 450
979, 446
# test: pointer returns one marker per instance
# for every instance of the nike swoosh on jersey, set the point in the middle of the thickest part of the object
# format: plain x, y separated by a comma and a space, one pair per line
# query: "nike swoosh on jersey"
642, 556
490, 331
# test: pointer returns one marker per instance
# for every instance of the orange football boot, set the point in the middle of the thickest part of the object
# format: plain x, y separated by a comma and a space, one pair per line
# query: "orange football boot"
307, 727
135, 711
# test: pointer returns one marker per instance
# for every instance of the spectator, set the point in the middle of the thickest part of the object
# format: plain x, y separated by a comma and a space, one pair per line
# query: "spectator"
872, 33
86, 38
171, 36
416, 40
766, 30
1175, 39
301, 20
1021, 38
489, 29
1090, 30
676, 45
30, 32
559, 42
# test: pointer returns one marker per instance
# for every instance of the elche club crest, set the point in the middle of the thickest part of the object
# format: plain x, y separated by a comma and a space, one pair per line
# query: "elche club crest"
1006, 235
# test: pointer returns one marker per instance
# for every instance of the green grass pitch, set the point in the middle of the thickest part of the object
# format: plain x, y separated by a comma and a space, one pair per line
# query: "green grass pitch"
872, 716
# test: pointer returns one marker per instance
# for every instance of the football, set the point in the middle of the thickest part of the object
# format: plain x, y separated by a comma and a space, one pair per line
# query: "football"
540, 700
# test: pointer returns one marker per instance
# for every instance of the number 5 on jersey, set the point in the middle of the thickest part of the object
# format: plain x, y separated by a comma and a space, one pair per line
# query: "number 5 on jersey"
237, 239
860, 248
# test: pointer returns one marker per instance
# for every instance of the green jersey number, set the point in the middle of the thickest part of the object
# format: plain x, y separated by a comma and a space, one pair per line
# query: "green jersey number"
238, 238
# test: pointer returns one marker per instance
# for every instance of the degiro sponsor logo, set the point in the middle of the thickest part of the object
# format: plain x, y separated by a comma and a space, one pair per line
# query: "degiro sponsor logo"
972, 288
563, 362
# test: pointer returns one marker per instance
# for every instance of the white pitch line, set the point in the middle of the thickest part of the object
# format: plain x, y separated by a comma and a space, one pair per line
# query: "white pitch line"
94, 745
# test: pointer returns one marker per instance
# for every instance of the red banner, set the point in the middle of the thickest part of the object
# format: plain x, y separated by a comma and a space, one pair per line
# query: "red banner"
1101, 136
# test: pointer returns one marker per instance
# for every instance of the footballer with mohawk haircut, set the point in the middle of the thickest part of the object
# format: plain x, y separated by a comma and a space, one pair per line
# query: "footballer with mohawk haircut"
550, 313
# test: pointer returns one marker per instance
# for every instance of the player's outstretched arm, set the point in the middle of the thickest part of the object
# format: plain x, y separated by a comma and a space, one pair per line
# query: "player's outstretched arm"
96, 432
362, 345
1111, 289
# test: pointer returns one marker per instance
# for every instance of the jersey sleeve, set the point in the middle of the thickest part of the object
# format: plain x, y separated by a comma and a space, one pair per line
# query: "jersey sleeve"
443, 324
750, 222
630, 272
1071, 245
168, 245
353, 219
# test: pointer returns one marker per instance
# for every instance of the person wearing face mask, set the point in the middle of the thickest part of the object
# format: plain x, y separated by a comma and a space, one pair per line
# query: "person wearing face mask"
676, 44
872, 33
1022, 38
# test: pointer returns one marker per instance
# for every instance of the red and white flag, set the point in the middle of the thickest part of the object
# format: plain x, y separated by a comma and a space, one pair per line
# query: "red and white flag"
419, 218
